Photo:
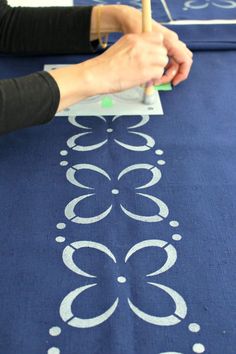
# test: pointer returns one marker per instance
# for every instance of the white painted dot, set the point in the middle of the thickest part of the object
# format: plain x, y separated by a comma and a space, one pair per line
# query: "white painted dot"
60, 239
61, 226
198, 348
161, 162
54, 350
159, 152
194, 327
55, 331
176, 237
109, 130
174, 223
121, 279
64, 163
63, 152
115, 191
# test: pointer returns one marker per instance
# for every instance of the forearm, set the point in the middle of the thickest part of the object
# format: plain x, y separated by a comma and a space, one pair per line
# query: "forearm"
56, 30
27, 101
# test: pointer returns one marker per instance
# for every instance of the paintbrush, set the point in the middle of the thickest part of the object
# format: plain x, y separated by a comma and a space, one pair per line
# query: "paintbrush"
149, 91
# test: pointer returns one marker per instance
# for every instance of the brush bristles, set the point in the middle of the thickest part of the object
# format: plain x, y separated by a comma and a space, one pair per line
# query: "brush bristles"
149, 99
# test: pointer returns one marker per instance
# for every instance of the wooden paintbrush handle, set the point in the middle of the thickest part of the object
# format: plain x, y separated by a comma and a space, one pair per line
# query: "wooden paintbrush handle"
147, 27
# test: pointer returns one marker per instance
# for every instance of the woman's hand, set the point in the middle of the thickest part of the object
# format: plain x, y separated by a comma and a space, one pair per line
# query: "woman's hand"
180, 57
133, 60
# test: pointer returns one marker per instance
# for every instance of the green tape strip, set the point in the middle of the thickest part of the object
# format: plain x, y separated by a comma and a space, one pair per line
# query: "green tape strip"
107, 102
163, 87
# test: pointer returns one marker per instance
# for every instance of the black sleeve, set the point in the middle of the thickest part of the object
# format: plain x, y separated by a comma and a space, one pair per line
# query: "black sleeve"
34, 99
45, 30
27, 101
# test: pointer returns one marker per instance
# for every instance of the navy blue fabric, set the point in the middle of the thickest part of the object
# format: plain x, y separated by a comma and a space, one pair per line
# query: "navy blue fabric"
181, 9
198, 185
197, 135
195, 9
201, 37
207, 37
197, 37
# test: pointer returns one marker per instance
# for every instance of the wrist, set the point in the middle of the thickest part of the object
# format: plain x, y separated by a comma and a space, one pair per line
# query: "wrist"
75, 83
109, 21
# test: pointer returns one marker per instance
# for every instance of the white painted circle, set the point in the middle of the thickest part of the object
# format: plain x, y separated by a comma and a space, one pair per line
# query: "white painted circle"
161, 162
159, 152
194, 327
61, 226
109, 130
198, 348
53, 350
60, 239
64, 163
55, 331
121, 279
115, 191
63, 152
174, 223
176, 237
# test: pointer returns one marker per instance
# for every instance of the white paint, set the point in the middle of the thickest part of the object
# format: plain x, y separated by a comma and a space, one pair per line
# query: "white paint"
115, 191
176, 237
109, 130
63, 152
150, 142
171, 320
174, 223
163, 210
69, 251
54, 350
61, 226
159, 152
167, 11
201, 22
70, 175
70, 212
161, 162
72, 143
121, 280
169, 249
64, 163
223, 4
171, 353
198, 348
68, 316
55, 331
194, 327
156, 173
60, 239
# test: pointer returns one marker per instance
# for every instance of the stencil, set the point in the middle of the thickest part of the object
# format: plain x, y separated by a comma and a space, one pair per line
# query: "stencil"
128, 102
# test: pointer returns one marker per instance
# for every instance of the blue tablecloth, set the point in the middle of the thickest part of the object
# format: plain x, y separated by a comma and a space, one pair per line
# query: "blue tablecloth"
122, 239
166, 10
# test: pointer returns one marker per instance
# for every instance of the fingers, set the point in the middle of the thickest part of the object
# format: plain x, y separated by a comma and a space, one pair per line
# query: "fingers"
170, 73
184, 61
183, 72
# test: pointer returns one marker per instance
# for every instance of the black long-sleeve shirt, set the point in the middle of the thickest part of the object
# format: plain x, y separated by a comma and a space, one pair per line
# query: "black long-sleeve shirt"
34, 99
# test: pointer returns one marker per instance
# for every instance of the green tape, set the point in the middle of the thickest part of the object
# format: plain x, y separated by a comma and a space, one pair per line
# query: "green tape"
107, 102
163, 87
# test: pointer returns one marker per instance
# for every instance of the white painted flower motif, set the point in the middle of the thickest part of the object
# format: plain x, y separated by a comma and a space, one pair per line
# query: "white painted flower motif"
66, 307
202, 4
75, 141
161, 210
